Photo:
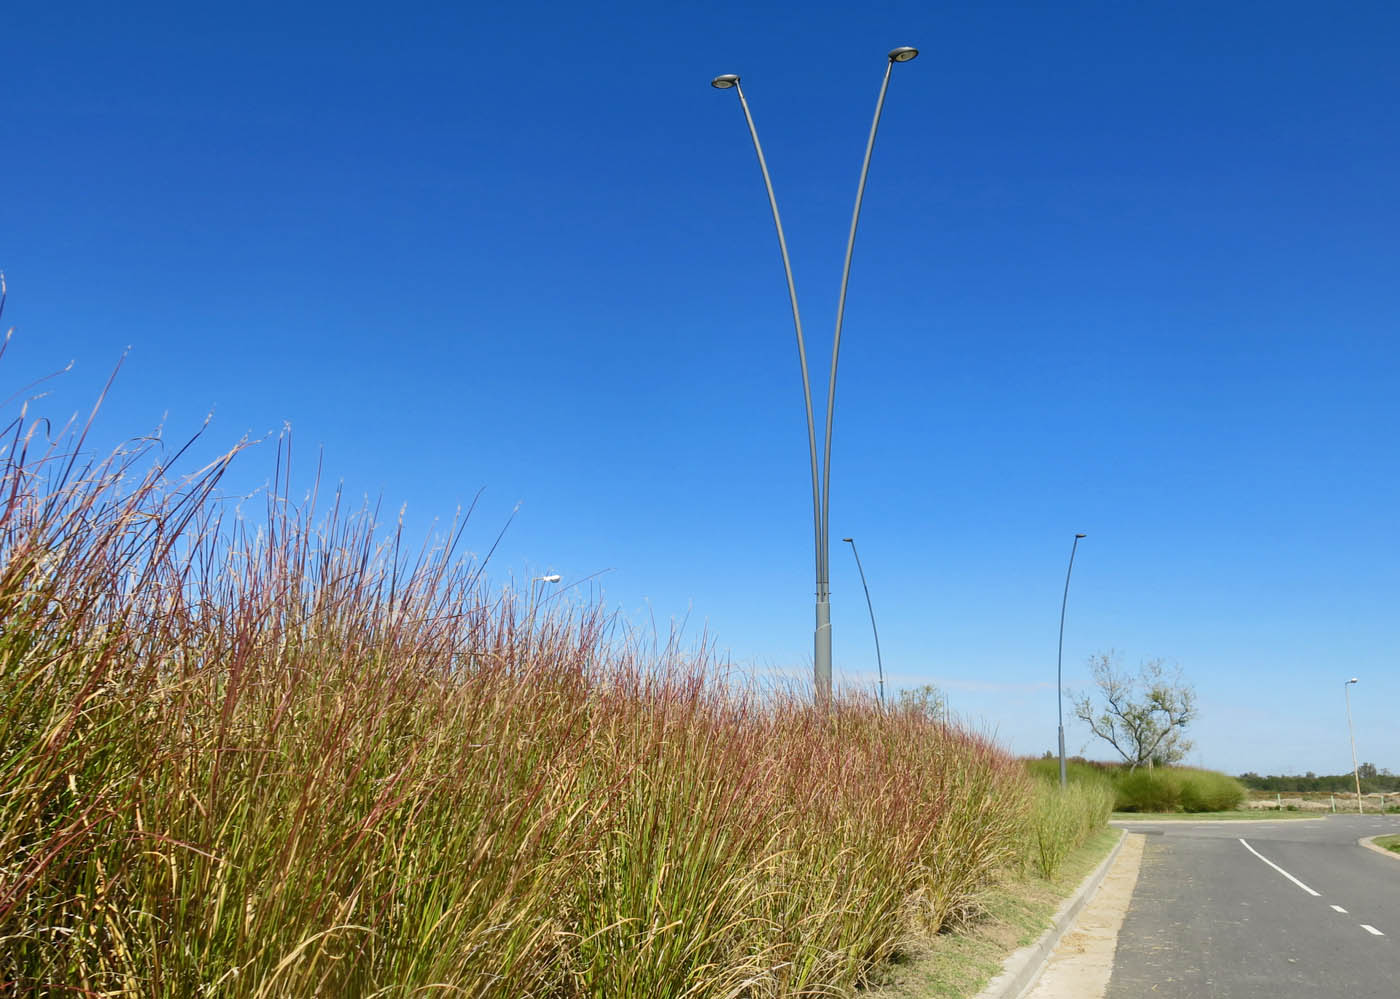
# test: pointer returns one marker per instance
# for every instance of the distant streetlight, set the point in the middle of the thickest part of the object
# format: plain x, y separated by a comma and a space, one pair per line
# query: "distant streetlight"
1060, 657
821, 475
880, 663
554, 578
1355, 770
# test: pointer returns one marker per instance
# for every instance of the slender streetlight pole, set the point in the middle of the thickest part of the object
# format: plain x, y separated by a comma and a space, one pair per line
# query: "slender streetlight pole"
821, 474
1355, 771
1060, 659
880, 663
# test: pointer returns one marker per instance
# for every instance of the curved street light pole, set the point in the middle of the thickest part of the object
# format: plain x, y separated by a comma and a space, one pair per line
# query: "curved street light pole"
880, 663
1355, 771
724, 83
821, 474
1060, 658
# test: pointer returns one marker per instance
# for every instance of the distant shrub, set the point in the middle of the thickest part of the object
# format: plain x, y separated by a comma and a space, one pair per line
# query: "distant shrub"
1379, 782
1147, 791
1208, 791
1176, 789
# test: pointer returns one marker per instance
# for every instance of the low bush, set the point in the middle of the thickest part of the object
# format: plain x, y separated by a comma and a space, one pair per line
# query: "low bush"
1176, 789
1209, 791
1142, 790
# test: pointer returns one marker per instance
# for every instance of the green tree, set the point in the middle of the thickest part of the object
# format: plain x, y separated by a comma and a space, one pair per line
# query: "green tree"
1143, 715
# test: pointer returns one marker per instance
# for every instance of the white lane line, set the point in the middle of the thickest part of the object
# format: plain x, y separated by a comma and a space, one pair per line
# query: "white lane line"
1280, 870
1338, 908
1372, 930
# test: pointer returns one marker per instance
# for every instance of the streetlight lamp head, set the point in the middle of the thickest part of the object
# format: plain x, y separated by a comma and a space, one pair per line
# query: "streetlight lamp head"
903, 54
851, 540
1081, 535
554, 578
1353, 680
725, 82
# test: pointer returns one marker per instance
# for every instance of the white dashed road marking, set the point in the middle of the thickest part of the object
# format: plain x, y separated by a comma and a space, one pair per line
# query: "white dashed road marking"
1280, 870
1336, 908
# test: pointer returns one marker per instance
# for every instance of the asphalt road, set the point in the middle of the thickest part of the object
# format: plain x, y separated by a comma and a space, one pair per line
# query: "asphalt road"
1268, 909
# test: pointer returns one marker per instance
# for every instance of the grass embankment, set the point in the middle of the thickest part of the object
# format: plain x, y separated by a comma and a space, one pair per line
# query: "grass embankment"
1391, 843
281, 758
1157, 790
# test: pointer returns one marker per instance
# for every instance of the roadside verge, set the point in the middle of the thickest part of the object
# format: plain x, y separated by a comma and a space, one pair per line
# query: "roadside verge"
1021, 969
1369, 842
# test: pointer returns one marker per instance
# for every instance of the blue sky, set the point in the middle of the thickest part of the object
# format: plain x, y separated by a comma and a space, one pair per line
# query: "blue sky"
1122, 270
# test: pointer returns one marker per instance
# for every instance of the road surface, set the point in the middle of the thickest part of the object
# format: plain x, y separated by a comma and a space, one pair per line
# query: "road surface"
1274, 910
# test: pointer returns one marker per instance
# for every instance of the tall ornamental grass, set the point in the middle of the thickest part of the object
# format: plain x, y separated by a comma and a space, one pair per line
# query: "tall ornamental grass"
279, 755
1063, 818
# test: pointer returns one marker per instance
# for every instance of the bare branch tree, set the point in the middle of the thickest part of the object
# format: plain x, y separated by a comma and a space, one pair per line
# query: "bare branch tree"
1143, 716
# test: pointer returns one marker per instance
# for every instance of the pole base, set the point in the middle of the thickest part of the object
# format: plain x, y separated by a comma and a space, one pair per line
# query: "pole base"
821, 653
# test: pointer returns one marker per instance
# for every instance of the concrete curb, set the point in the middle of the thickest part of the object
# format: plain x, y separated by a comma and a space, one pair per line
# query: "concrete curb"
1210, 822
1021, 970
1369, 843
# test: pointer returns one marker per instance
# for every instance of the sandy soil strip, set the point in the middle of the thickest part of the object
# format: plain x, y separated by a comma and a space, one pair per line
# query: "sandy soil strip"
1080, 966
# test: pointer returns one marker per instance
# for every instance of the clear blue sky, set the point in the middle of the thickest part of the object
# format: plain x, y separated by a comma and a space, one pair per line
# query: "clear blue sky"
1123, 269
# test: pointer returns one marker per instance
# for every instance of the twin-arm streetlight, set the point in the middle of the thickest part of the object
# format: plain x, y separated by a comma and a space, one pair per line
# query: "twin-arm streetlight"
1355, 770
821, 474
880, 663
1060, 659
